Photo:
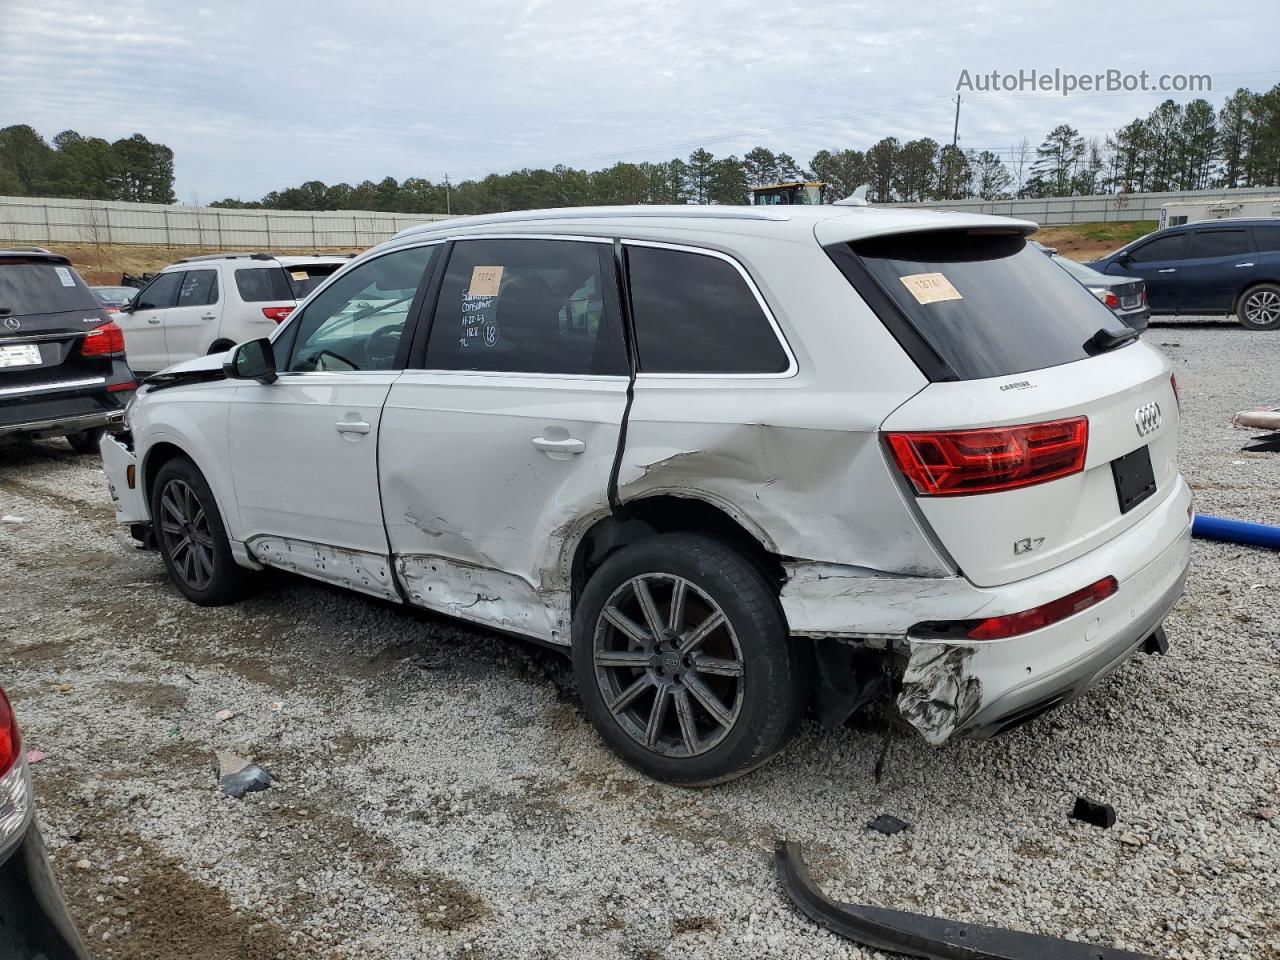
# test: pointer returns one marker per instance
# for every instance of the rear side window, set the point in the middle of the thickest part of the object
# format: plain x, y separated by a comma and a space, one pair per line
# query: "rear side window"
263, 284
1162, 248
987, 305
305, 278
40, 287
1267, 237
1218, 243
695, 313
161, 293
199, 287
528, 306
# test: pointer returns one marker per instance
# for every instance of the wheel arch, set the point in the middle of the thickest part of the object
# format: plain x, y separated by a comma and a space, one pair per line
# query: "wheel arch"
650, 516
163, 451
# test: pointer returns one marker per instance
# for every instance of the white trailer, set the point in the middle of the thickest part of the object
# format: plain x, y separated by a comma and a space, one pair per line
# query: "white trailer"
1188, 211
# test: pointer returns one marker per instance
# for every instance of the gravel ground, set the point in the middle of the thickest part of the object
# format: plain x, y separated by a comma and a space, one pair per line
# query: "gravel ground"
440, 795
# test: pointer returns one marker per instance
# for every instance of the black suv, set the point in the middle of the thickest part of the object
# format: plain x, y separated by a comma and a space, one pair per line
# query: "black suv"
62, 366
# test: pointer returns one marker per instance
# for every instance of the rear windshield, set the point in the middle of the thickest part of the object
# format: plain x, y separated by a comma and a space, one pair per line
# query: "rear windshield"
263, 284
307, 277
42, 287
985, 305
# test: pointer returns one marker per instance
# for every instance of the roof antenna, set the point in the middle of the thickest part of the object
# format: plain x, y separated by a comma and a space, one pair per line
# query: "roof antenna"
856, 199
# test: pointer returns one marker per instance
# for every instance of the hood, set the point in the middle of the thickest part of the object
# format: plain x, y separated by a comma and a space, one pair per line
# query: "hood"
212, 361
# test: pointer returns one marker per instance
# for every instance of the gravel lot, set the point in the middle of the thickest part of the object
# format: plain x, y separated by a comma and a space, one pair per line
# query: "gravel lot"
440, 795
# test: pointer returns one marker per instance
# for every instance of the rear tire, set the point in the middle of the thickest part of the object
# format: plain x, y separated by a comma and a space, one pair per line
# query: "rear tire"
86, 441
719, 692
192, 539
1259, 307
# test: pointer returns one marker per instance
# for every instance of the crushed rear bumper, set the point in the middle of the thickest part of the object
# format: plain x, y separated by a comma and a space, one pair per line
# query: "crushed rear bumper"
979, 688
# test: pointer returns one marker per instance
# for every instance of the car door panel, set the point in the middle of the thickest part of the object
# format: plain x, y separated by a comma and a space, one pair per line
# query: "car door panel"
305, 447
1157, 262
1220, 264
191, 324
503, 446
144, 323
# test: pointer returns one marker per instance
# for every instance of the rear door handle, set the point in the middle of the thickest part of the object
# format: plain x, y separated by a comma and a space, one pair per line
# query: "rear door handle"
560, 449
1168, 270
1238, 265
208, 316
352, 426
153, 319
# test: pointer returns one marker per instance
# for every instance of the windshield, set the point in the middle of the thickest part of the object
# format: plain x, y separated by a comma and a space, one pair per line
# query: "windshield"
988, 305
32, 287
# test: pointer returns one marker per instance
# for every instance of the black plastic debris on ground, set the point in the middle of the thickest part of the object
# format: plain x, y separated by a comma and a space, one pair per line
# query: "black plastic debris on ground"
1090, 811
887, 824
238, 776
934, 938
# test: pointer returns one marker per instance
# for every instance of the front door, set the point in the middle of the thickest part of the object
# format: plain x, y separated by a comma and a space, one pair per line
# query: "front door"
502, 438
1220, 264
191, 324
304, 449
1157, 262
143, 323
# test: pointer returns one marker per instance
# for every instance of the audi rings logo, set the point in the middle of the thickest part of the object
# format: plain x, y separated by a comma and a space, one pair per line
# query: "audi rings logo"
13, 323
1147, 418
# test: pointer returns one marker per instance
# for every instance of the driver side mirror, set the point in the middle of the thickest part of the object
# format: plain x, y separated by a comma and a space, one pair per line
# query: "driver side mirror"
254, 360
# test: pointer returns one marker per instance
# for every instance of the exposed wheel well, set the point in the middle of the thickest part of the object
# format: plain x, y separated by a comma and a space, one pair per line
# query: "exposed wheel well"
650, 516
157, 457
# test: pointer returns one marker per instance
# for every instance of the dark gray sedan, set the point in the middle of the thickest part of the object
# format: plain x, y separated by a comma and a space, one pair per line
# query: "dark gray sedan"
1126, 296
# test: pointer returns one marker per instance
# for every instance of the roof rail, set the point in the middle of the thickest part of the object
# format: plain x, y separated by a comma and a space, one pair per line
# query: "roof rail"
29, 250
228, 256
671, 211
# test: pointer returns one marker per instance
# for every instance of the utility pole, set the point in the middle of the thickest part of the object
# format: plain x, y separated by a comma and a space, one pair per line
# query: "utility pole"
955, 130
448, 208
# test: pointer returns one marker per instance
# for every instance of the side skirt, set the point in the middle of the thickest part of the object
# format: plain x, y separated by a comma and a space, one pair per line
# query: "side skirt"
354, 569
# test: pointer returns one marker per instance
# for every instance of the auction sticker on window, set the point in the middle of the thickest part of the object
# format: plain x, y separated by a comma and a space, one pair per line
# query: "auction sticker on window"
930, 287
485, 281
65, 276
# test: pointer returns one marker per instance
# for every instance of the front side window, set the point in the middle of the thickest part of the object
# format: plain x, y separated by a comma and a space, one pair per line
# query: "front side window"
1219, 243
694, 313
161, 293
199, 287
528, 306
263, 284
1162, 248
357, 323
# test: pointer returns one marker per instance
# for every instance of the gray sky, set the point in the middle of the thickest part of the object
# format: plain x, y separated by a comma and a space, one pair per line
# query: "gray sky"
254, 96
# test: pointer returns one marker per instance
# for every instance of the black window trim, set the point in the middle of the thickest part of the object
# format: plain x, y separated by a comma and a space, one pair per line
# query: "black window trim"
286, 333
793, 367
418, 354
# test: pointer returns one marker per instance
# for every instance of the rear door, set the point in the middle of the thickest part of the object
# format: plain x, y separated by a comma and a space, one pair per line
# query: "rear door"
304, 449
144, 322
508, 431
191, 324
1220, 263
1157, 262
45, 312
1032, 446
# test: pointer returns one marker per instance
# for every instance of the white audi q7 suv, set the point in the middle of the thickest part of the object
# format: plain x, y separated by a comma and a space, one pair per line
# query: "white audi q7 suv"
738, 462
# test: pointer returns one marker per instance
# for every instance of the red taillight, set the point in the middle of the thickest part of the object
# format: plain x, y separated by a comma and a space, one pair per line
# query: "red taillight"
111, 308
125, 385
10, 740
1111, 300
1173, 382
956, 462
1144, 294
276, 313
1012, 624
106, 340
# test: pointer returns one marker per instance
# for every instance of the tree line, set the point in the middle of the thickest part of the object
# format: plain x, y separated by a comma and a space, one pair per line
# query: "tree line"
1176, 147
90, 168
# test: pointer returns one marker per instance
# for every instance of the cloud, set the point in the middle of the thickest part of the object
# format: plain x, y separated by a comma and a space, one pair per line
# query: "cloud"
255, 96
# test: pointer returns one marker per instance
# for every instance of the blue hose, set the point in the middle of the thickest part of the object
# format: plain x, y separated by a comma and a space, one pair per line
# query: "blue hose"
1236, 531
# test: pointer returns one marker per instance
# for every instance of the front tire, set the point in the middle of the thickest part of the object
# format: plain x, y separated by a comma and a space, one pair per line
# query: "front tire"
1259, 307
683, 661
86, 441
192, 539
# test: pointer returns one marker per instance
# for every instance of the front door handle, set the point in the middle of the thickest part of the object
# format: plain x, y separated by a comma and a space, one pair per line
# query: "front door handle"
1239, 265
153, 320
208, 316
1168, 270
352, 426
560, 449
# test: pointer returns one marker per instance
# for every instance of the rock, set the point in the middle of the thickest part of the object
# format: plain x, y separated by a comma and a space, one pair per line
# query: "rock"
238, 776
